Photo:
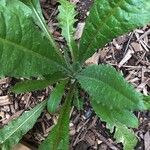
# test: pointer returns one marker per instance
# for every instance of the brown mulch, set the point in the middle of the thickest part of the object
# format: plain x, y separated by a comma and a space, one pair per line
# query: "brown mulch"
129, 54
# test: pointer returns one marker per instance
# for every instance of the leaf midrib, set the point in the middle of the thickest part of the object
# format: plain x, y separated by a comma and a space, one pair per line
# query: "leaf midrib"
26, 50
22, 124
69, 34
101, 24
44, 28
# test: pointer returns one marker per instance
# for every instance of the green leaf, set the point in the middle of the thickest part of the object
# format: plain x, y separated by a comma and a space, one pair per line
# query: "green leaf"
55, 97
114, 116
24, 50
109, 19
30, 85
126, 136
33, 85
121, 119
113, 100
66, 18
13, 132
108, 87
146, 100
58, 139
37, 15
36, 5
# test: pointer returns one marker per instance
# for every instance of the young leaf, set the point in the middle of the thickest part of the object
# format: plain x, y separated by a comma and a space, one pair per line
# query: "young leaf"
55, 97
24, 50
109, 88
126, 136
58, 139
13, 132
66, 18
30, 85
109, 19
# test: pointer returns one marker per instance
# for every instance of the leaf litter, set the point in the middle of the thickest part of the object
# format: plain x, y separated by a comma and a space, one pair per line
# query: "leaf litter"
129, 54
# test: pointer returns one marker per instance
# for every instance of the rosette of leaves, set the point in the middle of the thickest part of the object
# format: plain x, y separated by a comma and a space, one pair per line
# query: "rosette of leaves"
28, 49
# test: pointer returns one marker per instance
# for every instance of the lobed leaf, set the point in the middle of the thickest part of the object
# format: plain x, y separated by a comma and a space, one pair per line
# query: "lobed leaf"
24, 50
13, 132
114, 116
113, 100
66, 18
55, 97
109, 19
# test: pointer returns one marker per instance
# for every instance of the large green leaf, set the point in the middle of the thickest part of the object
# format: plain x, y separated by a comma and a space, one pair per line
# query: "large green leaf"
109, 19
66, 18
55, 97
58, 138
13, 132
108, 87
24, 50
113, 100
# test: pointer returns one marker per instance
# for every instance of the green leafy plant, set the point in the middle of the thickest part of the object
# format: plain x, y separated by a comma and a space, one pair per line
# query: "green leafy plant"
27, 49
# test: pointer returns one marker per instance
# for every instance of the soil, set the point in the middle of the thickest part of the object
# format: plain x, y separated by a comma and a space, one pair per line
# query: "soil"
129, 54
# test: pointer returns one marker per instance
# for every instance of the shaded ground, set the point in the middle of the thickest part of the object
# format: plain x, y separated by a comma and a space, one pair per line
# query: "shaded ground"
129, 54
